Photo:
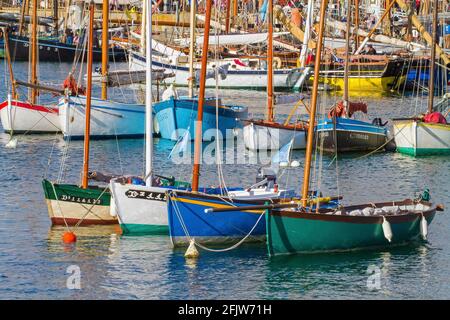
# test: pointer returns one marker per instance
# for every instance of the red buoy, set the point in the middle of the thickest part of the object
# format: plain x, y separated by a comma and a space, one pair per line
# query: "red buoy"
69, 237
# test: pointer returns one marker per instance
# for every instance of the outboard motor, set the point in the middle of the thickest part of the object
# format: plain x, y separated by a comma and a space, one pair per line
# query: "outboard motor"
268, 174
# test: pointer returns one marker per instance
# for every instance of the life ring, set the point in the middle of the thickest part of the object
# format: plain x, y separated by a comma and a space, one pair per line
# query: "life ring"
277, 62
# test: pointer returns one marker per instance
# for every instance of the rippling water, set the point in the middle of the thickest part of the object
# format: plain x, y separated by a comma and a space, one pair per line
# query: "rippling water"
34, 261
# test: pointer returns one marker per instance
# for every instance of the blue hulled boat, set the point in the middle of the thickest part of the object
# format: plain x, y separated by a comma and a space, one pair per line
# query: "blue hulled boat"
176, 115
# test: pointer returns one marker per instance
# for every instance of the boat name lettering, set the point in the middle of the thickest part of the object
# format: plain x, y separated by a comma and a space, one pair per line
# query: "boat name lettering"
148, 195
65, 197
360, 136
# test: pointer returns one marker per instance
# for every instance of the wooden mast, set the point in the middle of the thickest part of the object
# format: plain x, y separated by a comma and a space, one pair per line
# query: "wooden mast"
55, 18
309, 144
105, 45
87, 128
270, 62
25, 6
192, 47
433, 58
201, 99
8, 59
347, 53
356, 23
227, 17
33, 48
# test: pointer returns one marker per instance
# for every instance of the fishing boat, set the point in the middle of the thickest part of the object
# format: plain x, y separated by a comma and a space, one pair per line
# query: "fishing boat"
18, 116
339, 132
56, 51
84, 204
428, 134
302, 229
176, 115
23, 117
267, 134
190, 219
109, 119
140, 204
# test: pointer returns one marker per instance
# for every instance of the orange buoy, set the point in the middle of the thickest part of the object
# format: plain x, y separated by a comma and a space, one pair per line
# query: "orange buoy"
69, 237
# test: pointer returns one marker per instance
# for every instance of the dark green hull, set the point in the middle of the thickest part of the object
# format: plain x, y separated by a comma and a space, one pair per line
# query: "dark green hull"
294, 232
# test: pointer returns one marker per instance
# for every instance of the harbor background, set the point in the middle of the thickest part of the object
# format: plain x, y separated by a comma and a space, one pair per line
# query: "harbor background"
34, 261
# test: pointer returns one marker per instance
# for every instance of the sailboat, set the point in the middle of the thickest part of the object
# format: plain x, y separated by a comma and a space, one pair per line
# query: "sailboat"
141, 207
70, 204
302, 229
268, 135
342, 133
175, 115
110, 119
189, 215
430, 134
18, 116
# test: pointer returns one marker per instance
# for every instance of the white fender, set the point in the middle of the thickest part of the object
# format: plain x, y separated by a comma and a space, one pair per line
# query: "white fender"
12, 144
295, 164
191, 251
424, 228
387, 230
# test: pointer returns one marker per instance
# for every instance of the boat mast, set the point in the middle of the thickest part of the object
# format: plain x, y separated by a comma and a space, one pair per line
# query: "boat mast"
309, 145
433, 58
347, 54
148, 96
55, 18
201, 99
270, 62
87, 128
8, 59
227, 17
33, 48
357, 23
105, 45
306, 35
192, 25
143, 27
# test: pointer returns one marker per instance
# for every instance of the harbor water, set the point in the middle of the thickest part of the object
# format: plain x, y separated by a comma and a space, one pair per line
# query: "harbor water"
35, 264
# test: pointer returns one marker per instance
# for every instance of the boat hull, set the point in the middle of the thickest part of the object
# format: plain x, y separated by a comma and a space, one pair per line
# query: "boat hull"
108, 119
54, 51
418, 138
175, 116
187, 218
235, 79
351, 136
71, 205
258, 136
23, 117
141, 210
295, 232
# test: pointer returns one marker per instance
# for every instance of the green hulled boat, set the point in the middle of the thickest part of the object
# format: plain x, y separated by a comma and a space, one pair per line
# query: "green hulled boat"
350, 228
70, 204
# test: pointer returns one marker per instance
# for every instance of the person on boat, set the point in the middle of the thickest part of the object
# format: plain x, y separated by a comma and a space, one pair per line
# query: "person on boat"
70, 85
370, 50
310, 58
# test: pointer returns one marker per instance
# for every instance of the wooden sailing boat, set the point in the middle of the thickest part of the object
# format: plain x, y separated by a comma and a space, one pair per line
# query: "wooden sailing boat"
141, 208
110, 119
190, 218
341, 133
268, 134
27, 116
80, 205
421, 136
303, 229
